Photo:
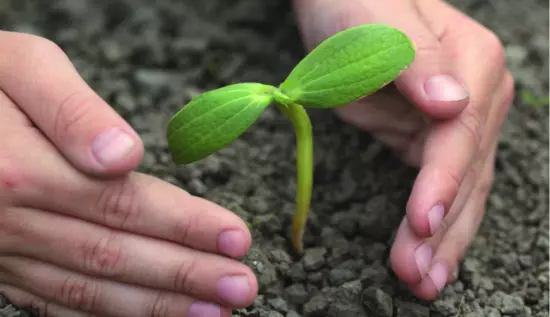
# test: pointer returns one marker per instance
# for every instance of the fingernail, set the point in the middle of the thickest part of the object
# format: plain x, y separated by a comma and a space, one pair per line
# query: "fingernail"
435, 216
423, 258
234, 290
439, 274
202, 309
232, 243
111, 146
444, 88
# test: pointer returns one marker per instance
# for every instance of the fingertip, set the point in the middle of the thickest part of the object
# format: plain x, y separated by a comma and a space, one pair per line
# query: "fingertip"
409, 258
115, 151
234, 243
427, 206
433, 283
441, 96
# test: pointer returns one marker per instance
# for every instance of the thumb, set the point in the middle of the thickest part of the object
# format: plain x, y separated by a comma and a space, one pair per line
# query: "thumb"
430, 83
48, 89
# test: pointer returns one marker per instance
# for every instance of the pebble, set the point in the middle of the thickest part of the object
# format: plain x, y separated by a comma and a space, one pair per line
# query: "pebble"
507, 304
278, 303
408, 309
316, 306
377, 302
339, 276
314, 259
296, 294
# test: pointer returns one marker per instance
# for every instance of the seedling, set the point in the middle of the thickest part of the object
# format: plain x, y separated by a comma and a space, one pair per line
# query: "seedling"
346, 67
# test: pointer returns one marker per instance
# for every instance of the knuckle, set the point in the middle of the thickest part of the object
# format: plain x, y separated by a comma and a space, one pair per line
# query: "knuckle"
493, 47
160, 306
470, 123
78, 293
71, 112
41, 306
104, 256
118, 203
183, 280
455, 179
185, 226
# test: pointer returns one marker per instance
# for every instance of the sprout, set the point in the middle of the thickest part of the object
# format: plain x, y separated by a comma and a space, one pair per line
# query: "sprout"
348, 66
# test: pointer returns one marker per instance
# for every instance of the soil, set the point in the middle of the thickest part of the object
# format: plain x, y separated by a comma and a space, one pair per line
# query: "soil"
148, 58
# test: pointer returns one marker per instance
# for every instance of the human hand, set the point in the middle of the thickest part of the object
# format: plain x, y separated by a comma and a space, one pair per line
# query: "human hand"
81, 234
444, 115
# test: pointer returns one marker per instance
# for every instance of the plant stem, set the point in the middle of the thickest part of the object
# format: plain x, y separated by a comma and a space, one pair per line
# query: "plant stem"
304, 168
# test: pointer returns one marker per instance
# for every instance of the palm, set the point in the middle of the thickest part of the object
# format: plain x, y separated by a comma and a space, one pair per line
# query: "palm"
389, 117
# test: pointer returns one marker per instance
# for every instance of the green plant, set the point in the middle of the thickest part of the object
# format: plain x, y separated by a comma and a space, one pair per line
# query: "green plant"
347, 66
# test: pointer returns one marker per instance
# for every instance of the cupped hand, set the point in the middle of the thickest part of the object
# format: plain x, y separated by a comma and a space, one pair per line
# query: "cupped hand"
81, 234
443, 115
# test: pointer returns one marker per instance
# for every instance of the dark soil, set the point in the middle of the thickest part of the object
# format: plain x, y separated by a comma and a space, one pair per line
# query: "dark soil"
148, 58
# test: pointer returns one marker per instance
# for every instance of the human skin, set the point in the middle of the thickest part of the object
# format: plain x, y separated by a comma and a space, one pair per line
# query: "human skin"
83, 234
443, 115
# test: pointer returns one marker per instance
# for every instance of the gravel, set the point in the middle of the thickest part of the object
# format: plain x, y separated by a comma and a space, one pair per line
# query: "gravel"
148, 58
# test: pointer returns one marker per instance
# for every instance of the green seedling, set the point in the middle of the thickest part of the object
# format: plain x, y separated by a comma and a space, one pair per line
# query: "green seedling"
346, 67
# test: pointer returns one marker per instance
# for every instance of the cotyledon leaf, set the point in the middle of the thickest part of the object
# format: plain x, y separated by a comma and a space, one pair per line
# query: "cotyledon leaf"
215, 119
349, 65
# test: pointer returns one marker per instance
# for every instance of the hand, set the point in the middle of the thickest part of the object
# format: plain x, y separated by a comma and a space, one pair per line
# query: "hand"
444, 115
81, 235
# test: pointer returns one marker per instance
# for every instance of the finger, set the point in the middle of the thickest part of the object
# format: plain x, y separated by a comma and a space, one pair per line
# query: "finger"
43, 308
101, 297
40, 79
411, 255
457, 239
97, 251
135, 203
441, 181
431, 82
384, 112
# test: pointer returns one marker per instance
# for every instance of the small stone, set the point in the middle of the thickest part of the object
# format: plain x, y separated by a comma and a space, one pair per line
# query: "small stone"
316, 306
280, 256
314, 259
278, 303
445, 306
348, 292
258, 301
273, 313
197, 187
292, 313
407, 309
315, 277
296, 294
507, 304
345, 309
526, 260
492, 312
375, 251
542, 242
297, 272
374, 275
261, 266
269, 224
339, 276
486, 284
458, 287
377, 302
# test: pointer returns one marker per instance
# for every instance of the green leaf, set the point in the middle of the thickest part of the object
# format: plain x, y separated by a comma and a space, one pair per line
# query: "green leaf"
215, 119
348, 66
